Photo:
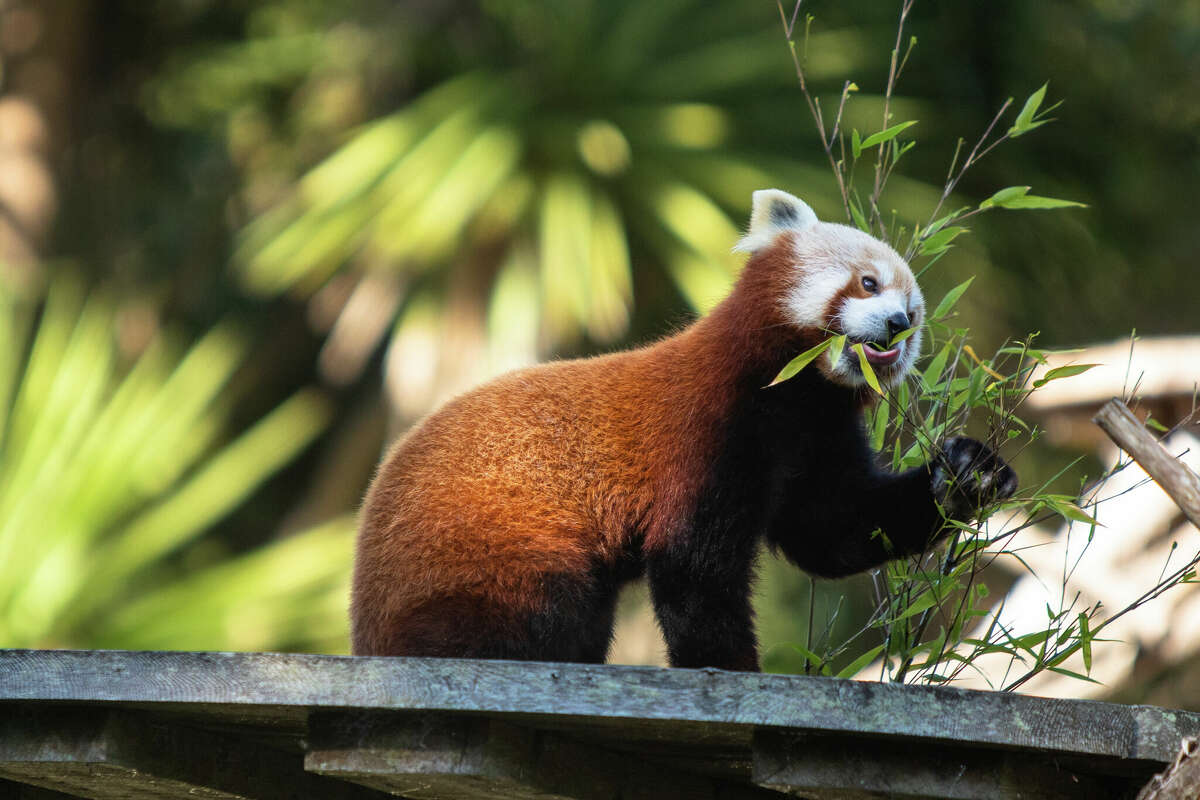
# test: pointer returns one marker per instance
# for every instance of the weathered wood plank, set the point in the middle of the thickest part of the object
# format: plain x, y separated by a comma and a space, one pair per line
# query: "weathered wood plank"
858, 768
103, 753
427, 756
538, 693
23, 791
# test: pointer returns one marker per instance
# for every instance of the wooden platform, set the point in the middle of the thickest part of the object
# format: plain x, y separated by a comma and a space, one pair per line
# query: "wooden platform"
263, 725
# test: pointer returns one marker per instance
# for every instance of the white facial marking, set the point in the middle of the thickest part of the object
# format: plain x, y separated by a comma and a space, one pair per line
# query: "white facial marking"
865, 318
829, 258
885, 271
809, 299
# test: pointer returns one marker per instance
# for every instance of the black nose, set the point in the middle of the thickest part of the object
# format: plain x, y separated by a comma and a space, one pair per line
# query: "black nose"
897, 322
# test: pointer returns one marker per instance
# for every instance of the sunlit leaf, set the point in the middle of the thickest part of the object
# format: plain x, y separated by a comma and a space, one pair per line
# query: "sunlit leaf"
887, 134
856, 666
951, 298
939, 241
1025, 118
1059, 373
793, 367
1018, 197
868, 371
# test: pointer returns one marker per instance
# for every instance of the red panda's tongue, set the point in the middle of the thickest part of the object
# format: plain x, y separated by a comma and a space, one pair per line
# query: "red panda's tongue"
881, 357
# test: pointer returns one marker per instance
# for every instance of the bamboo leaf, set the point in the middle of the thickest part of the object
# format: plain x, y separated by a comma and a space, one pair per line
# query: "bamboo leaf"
879, 427
1085, 641
1069, 510
1059, 373
793, 367
1025, 118
886, 135
1005, 195
1035, 202
860, 219
857, 665
939, 242
837, 346
1018, 197
867, 371
952, 297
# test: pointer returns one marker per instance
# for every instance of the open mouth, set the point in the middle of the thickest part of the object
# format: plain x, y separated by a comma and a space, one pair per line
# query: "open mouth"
881, 355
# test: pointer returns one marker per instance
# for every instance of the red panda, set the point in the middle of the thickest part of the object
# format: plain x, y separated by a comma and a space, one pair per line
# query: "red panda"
503, 525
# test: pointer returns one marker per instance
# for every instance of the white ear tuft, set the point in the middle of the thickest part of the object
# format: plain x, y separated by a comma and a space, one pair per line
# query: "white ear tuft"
774, 211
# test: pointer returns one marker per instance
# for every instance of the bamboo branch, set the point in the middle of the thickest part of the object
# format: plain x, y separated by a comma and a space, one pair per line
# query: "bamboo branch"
1127, 432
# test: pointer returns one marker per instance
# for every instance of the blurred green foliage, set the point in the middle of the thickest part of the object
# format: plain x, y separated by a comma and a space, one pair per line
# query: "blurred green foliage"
576, 171
111, 473
567, 137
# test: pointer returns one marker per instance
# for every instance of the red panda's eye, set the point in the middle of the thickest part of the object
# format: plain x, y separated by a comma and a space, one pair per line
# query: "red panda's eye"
870, 285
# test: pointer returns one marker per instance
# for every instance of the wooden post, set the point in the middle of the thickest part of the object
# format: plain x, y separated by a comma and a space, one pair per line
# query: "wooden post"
1127, 431
1181, 781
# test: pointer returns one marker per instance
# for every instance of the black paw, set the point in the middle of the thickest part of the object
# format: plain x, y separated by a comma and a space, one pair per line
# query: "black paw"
969, 475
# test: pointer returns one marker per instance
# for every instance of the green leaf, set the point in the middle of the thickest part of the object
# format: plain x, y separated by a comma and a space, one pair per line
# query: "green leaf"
886, 135
1033, 201
1154, 424
922, 603
939, 223
933, 373
837, 345
940, 241
1030, 641
1005, 195
1085, 641
868, 373
793, 367
1058, 373
1019, 198
1024, 121
903, 335
859, 218
1075, 675
879, 427
1069, 510
856, 666
809, 656
975, 387
952, 296
855, 143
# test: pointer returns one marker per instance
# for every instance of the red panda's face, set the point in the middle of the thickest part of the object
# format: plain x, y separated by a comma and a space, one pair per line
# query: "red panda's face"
844, 282
850, 283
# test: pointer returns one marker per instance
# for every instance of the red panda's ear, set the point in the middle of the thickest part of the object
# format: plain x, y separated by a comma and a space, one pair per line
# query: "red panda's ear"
772, 212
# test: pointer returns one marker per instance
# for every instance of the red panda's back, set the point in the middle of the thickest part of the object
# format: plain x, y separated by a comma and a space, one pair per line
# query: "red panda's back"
533, 475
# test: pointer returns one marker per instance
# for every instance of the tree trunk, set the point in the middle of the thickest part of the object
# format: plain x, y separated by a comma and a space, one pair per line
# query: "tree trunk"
41, 50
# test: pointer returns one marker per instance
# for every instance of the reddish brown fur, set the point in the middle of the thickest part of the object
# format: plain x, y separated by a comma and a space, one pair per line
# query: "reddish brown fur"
555, 469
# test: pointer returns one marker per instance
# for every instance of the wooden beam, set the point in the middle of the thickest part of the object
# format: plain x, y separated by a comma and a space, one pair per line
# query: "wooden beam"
857, 768
111, 754
676, 703
23, 791
453, 757
1128, 433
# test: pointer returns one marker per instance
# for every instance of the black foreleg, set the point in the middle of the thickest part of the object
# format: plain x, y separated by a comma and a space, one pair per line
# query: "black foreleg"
856, 518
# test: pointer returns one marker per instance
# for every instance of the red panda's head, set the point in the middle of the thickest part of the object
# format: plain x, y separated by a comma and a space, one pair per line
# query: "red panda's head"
841, 280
